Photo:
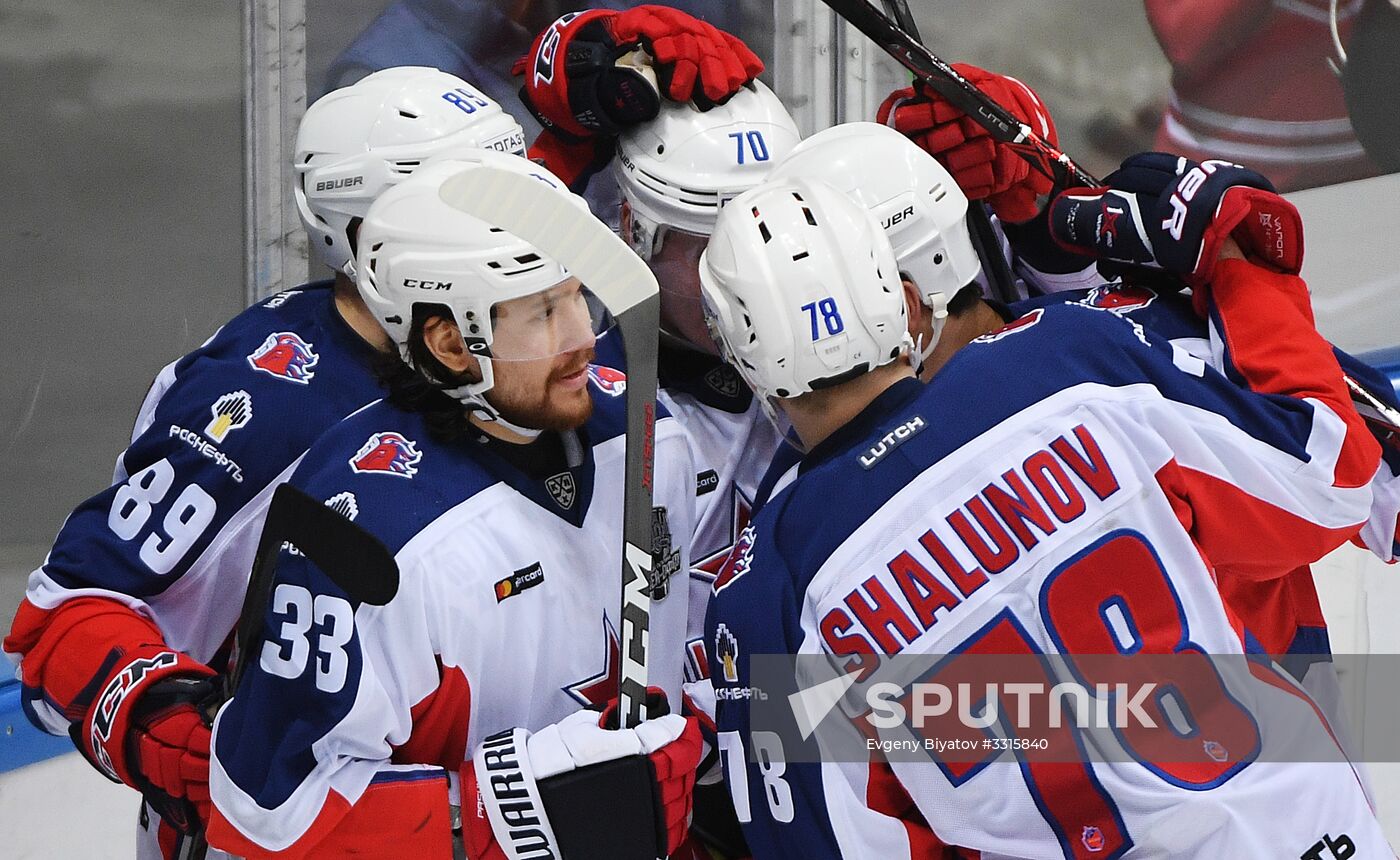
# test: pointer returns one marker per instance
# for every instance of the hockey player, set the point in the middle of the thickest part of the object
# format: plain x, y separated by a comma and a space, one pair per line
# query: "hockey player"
1251, 83
1282, 616
129, 617
1108, 476
494, 473
676, 170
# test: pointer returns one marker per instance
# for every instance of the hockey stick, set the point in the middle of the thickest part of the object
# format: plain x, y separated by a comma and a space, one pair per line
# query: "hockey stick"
542, 216
984, 235
945, 80
350, 557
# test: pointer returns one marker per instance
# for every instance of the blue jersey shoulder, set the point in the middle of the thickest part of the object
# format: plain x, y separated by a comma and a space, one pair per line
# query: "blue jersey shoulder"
266, 385
231, 417
384, 464
1048, 350
1168, 315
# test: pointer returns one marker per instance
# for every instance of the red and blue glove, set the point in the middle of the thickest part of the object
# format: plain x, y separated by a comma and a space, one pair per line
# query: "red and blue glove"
574, 83
1164, 212
581, 789
983, 168
147, 729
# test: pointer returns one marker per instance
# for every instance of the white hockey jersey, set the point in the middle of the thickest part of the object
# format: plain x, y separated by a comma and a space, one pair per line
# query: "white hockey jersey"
505, 616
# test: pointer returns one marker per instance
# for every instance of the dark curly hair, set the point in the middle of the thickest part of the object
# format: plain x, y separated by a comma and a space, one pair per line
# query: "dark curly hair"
422, 387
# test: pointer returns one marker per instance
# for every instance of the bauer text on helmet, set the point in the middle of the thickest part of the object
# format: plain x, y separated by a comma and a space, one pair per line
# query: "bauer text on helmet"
916, 201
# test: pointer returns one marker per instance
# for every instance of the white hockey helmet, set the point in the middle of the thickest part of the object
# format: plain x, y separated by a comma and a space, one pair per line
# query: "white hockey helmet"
415, 249
677, 170
801, 288
358, 140
916, 201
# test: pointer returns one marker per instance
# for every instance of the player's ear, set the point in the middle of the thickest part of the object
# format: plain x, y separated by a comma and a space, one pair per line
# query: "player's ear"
444, 340
624, 219
914, 310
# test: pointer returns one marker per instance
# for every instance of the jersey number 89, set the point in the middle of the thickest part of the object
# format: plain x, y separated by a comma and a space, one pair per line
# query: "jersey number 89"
188, 517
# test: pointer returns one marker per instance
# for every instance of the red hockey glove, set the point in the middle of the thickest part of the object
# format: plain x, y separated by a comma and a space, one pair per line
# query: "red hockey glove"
1162, 211
574, 82
146, 729
982, 167
590, 791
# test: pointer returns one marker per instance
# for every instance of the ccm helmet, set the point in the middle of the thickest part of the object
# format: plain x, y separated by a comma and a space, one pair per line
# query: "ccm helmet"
415, 249
358, 140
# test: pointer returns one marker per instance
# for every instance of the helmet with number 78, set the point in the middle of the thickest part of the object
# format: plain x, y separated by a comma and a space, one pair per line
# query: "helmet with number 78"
677, 170
357, 141
917, 202
801, 288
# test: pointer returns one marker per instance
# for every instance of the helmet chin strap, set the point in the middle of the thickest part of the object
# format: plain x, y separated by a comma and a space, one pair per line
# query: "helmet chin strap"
476, 403
473, 397
939, 318
490, 414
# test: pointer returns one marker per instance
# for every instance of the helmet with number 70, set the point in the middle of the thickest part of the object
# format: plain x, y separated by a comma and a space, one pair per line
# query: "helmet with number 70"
801, 288
677, 170
357, 141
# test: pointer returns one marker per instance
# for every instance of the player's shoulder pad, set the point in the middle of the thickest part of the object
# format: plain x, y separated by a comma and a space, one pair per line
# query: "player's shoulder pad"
382, 468
263, 387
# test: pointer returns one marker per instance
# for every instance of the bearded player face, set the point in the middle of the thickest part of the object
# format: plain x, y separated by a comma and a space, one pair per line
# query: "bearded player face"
541, 347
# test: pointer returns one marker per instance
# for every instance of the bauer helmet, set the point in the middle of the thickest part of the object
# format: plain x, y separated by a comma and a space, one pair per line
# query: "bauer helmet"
677, 170
916, 201
358, 140
801, 288
415, 249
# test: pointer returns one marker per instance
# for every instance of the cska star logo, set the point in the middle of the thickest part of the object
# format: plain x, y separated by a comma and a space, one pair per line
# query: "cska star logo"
709, 568
1119, 298
609, 381
738, 562
286, 356
1093, 838
600, 687
387, 453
